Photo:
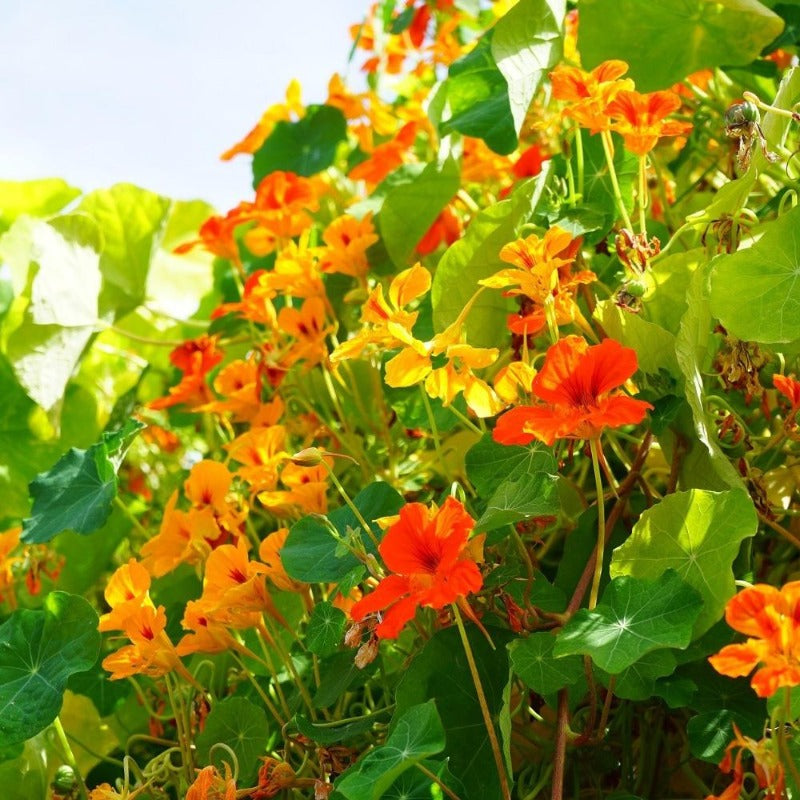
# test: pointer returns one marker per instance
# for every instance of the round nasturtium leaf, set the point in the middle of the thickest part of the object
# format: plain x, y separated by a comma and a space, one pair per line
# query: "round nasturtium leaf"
39, 650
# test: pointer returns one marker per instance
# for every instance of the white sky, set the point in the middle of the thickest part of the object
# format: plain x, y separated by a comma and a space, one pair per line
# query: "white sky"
152, 91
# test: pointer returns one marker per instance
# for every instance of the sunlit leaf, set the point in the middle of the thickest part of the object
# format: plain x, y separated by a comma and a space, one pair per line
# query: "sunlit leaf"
634, 617
696, 533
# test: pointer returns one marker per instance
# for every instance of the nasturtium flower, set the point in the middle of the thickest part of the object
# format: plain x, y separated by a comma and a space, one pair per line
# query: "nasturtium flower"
771, 618
642, 119
386, 157
432, 565
210, 785
790, 389
767, 767
445, 228
579, 394
195, 358
589, 93
347, 240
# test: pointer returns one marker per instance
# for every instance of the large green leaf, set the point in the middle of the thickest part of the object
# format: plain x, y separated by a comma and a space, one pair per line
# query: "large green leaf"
311, 552
55, 267
76, 494
520, 482
526, 43
756, 292
710, 468
39, 650
242, 726
666, 40
477, 256
477, 95
440, 672
634, 617
696, 533
131, 222
411, 208
532, 659
305, 147
325, 733
637, 682
417, 734
39, 198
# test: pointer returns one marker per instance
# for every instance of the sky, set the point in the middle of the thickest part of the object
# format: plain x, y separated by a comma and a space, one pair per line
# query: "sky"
152, 91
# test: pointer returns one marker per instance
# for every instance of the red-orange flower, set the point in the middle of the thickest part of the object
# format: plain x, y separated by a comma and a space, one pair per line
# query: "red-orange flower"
641, 119
789, 388
194, 358
428, 553
771, 617
446, 228
578, 388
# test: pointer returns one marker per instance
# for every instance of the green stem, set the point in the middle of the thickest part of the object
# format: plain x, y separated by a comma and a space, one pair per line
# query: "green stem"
438, 781
579, 160
184, 744
487, 717
437, 444
601, 524
642, 195
608, 149
466, 420
129, 514
69, 756
350, 504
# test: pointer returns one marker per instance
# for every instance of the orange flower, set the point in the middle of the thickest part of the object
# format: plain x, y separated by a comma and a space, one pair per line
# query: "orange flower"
240, 384
768, 768
589, 93
348, 240
577, 386
771, 617
427, 552
205, 635
194, 358
309, 328
9, 541
446, 228
150, 652
261, 451
210, 785
281, 211
217, 236
292, 109
351, 105
184, 538
385, 157
269, 552
640, 118
790, 389
127, 589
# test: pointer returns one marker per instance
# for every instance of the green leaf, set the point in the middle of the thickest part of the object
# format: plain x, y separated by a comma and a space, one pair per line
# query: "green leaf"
532, 659
310, 555
477, 94
417, 734
39, 650
666, 40
305, 147
756, 292
325, 629
637, 682
696, 533
521, 482
710, 733
526, 43
76, 494
39, 198
56, 267
692, 347
241, 725
411, 208
338, 674
131, 222
477, 255
440, 672
634, 617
